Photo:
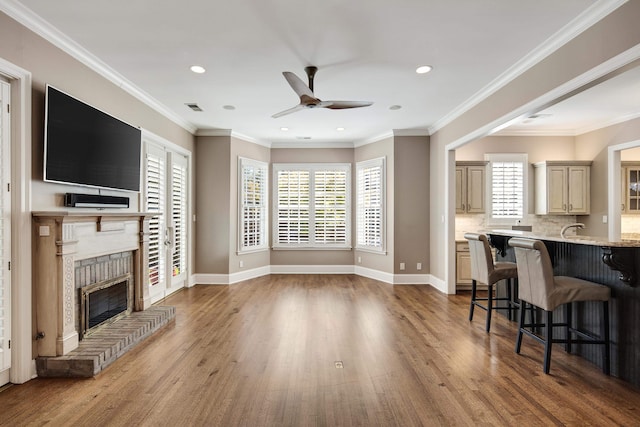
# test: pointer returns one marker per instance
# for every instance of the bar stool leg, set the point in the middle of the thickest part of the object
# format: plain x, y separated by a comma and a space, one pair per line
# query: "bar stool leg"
569, 322
523, 306
606, 368
548, 329
509, 298
473, 299
489, 306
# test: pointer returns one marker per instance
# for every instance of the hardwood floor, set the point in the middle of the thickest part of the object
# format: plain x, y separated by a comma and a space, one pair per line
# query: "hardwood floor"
267, 352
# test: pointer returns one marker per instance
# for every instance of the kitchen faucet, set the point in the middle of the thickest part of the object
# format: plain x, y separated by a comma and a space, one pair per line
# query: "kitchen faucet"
568, 226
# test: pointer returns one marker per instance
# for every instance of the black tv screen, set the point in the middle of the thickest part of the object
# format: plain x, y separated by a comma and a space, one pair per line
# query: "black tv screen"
86, 146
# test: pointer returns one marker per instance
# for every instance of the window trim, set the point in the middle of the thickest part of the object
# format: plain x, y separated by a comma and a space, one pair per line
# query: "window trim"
264, 220
312, 168
506, 157
366, 164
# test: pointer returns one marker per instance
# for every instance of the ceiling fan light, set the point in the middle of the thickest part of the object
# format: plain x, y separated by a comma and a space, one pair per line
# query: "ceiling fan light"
423, 69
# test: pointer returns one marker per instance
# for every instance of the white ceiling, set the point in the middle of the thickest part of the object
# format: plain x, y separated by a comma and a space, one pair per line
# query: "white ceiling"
366, 50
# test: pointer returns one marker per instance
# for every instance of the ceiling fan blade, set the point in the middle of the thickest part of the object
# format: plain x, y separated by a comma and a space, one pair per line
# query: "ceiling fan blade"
289, 111
298, 85
340, 105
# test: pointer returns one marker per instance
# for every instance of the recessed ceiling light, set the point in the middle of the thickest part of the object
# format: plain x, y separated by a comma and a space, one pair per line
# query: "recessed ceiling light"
228, 107
339, 129
284, 129
395, 107
424, 69
197, 69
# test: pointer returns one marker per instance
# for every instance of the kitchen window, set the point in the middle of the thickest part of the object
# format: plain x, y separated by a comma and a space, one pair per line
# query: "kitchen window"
507, 184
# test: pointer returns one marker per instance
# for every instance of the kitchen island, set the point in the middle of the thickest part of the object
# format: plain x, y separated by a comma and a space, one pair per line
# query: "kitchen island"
615, 264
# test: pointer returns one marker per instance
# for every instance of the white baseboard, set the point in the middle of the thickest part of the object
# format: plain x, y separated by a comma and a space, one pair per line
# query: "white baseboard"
438, 283
249, 274
370, 273
312, 269
383, 276
411, 279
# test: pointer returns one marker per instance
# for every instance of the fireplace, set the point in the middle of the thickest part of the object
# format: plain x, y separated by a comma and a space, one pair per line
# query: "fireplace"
104, 302
89, 268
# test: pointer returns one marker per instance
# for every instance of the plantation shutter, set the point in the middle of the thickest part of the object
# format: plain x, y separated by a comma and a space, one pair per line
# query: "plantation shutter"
370, 204
253, 205
179, 217
330, 203
507, 189
312, 205
155, 203
293, 207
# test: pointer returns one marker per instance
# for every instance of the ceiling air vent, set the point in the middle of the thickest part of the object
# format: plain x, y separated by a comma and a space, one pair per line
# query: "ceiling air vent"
193, 106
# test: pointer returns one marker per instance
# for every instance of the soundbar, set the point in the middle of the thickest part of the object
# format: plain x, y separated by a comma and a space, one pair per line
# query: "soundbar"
76, 200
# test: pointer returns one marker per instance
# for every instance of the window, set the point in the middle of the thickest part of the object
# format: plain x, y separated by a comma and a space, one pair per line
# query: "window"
508, 183
252, 234
370, 179
312, 208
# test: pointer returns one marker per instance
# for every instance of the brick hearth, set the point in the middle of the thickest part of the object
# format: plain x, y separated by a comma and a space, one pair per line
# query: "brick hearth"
98, 350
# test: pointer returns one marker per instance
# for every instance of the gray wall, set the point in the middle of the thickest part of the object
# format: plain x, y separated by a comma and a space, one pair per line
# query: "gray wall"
213, 207
411, 204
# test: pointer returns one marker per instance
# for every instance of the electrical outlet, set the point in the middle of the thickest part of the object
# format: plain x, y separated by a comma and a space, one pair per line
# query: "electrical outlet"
402, 266
419, 266
241, 264
604, 219
359, 260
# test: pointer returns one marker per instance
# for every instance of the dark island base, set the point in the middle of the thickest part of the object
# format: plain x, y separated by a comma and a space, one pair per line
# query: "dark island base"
586, 262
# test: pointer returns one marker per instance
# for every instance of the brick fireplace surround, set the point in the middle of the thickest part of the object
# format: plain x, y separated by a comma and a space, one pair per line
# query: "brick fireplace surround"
70, 249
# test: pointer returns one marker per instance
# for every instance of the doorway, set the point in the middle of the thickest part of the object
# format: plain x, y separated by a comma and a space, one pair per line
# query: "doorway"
166, 192
5, 232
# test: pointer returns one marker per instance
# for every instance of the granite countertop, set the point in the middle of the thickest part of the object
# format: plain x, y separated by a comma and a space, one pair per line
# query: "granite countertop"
579, 239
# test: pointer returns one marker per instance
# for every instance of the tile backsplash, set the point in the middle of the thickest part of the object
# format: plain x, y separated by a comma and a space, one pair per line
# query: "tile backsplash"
543, 224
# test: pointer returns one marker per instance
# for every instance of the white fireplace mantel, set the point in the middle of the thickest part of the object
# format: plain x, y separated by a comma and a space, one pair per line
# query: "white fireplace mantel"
60, 239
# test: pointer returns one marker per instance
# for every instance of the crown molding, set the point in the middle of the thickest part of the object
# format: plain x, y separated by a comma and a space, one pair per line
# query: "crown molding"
373, 139
213, 132
593, 14
311, 144
35, 23
411, 132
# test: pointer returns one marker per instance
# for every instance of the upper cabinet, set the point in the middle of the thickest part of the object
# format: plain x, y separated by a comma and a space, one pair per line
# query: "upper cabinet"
562, 187
470, 187
630, 195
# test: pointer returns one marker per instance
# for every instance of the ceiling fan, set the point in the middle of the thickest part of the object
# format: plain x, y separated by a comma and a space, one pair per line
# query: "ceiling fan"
308, 99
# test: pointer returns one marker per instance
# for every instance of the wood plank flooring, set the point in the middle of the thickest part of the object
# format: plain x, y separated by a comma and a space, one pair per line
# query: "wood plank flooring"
265, 352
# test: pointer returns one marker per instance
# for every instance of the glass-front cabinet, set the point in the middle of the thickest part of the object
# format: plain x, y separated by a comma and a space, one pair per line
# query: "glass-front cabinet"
630, 188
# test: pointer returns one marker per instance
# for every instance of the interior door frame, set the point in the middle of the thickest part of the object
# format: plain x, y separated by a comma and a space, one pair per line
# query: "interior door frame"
22, 363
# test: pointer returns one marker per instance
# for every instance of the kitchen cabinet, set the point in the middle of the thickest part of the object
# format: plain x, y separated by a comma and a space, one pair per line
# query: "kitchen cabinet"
562, 187
463, 266
630, 195
470, 187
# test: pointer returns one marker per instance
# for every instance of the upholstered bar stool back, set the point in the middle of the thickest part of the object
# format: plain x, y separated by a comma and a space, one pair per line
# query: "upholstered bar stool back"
540, 288
485, 271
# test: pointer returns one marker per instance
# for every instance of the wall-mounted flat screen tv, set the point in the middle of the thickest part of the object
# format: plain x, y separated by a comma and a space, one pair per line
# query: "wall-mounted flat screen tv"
88, 147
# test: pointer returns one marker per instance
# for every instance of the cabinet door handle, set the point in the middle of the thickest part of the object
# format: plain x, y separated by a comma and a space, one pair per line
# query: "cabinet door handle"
564, 207
570, 207
623, 207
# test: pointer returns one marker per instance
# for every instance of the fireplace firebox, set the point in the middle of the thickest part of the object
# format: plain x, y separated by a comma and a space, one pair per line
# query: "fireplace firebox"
104, 302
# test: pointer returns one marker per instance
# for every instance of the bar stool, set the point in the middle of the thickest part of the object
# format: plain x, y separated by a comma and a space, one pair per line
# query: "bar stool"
540, 288
485, 271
